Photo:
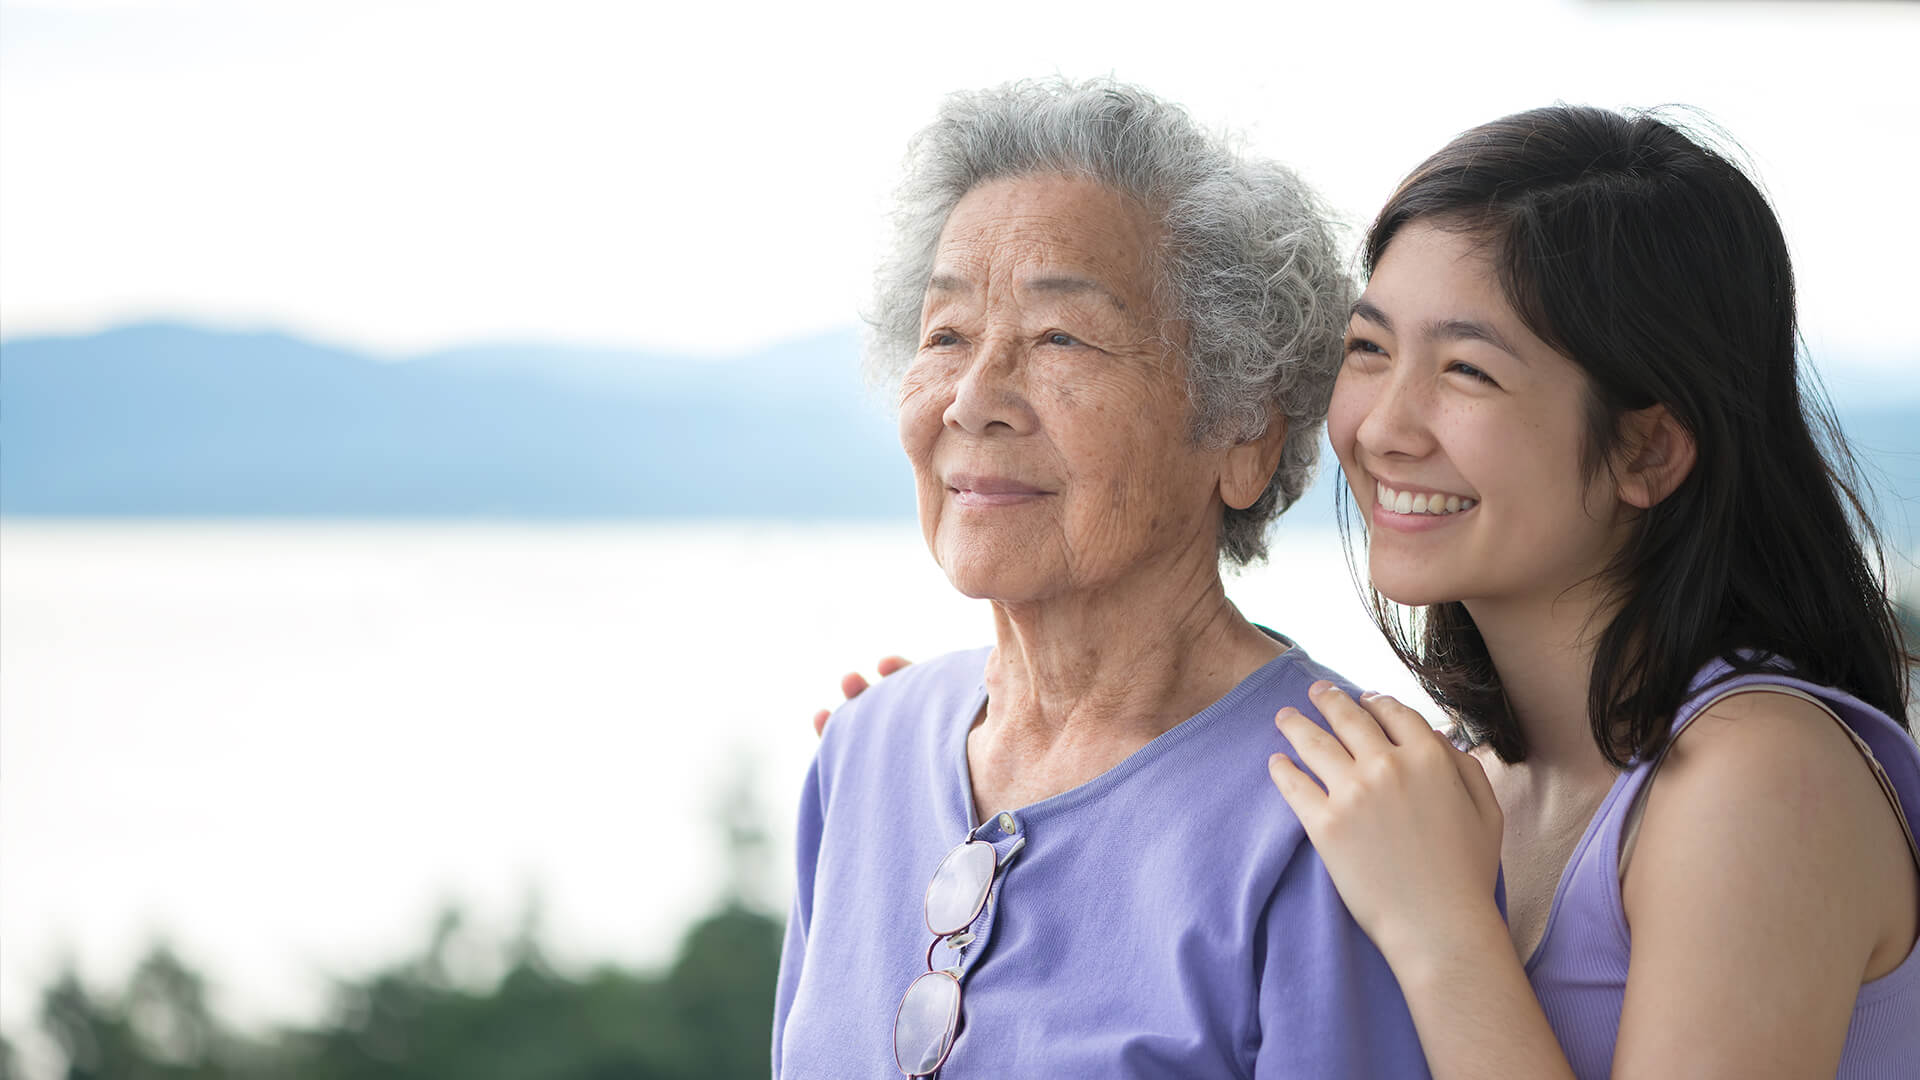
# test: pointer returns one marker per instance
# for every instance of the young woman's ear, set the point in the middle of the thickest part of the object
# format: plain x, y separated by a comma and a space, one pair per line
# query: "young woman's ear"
1659, 453
1249, 466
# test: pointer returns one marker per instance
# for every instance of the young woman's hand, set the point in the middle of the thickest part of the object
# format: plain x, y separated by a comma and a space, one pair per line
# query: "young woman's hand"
1406, 824
852, 684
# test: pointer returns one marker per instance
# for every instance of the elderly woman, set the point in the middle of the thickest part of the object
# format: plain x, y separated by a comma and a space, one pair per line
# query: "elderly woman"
1113, 341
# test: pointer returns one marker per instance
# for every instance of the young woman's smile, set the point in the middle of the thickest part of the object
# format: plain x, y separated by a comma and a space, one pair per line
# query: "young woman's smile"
1409, 508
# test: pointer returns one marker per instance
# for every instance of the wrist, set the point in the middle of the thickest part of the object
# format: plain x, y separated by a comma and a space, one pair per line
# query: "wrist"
1437, 952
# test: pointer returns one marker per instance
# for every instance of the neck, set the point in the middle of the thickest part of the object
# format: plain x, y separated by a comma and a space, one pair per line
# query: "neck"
1122, 662
1543, 650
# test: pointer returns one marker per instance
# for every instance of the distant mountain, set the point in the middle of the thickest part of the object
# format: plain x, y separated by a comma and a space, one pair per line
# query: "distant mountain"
170, 420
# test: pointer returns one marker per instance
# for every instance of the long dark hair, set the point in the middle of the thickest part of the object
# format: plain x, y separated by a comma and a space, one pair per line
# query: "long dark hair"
1659, 268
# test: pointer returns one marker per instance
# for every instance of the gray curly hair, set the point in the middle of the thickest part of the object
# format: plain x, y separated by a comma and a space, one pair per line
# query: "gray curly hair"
1248, 262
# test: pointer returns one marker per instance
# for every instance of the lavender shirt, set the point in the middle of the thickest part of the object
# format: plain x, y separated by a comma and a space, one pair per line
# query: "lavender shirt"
1579, 969
1166, 919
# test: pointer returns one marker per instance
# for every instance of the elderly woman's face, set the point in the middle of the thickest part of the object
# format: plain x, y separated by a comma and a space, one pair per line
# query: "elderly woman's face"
1046, 417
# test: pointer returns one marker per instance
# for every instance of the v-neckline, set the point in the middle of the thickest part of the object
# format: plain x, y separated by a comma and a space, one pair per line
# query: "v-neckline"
1573, 861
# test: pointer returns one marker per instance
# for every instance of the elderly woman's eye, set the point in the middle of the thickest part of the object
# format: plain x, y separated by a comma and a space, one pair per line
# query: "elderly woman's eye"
941, 339
1056, 337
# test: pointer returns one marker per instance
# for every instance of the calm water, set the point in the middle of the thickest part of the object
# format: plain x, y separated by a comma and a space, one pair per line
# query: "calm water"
285, 746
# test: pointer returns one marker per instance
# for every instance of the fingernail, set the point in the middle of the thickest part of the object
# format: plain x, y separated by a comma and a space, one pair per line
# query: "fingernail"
1369, 695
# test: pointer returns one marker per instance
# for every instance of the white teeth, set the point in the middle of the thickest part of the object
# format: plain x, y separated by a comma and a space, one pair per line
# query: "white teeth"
1406, 502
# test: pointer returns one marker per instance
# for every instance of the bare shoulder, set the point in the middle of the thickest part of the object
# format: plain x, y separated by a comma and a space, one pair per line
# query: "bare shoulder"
1771, 870
1766, 802
1772, 767
1747, 739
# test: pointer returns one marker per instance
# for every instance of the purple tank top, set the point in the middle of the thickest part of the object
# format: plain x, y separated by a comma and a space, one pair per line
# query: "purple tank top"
1579, 969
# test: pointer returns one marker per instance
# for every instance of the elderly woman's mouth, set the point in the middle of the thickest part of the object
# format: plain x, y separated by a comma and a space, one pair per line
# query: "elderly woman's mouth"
985, 491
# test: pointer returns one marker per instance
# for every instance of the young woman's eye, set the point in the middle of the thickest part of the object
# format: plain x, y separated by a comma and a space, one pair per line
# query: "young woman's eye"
1472, 372
1361, 349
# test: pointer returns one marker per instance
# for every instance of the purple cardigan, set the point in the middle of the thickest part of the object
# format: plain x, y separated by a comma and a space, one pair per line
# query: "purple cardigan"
1168, 918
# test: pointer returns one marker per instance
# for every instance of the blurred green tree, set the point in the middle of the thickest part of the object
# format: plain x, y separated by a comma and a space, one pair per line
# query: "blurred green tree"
709, 1016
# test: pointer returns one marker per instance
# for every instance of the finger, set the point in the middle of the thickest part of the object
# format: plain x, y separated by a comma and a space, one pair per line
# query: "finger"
1474, 775
1316, 747
890, 664
1301, 792
1351, 721
1402, 724
853, 684
820, 722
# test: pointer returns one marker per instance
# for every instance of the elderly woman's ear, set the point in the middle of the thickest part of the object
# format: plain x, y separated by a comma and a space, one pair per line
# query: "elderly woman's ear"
1250, 464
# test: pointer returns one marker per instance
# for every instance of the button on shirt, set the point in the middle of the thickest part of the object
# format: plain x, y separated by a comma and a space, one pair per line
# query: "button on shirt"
1168, 918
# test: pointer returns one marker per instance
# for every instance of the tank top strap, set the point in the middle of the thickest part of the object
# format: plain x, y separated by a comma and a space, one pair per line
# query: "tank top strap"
1614, 837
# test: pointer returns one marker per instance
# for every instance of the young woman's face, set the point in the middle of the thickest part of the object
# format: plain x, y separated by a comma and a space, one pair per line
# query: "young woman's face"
1461, 433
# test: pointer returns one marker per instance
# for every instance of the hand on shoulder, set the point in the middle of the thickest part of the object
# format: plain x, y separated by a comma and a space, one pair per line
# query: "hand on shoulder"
853, 684
1407, 825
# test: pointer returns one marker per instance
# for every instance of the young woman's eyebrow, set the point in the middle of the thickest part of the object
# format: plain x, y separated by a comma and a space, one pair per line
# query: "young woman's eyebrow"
1442, 329
1469, 330
1372, 313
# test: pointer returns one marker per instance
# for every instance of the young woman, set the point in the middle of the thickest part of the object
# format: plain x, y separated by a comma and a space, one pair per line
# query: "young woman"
1602, 531
1571, 407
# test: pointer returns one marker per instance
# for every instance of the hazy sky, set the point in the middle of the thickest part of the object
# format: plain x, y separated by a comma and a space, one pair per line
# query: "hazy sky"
714, 177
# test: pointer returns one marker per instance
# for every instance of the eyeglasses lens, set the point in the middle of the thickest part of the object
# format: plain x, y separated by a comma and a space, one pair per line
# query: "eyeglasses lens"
924, 1029
959, 887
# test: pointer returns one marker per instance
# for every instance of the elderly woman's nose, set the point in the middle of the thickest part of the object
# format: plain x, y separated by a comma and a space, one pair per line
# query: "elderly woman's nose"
991, 392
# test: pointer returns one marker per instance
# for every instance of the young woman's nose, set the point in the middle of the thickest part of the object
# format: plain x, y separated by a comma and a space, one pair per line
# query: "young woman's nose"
1396, 419
990, 395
